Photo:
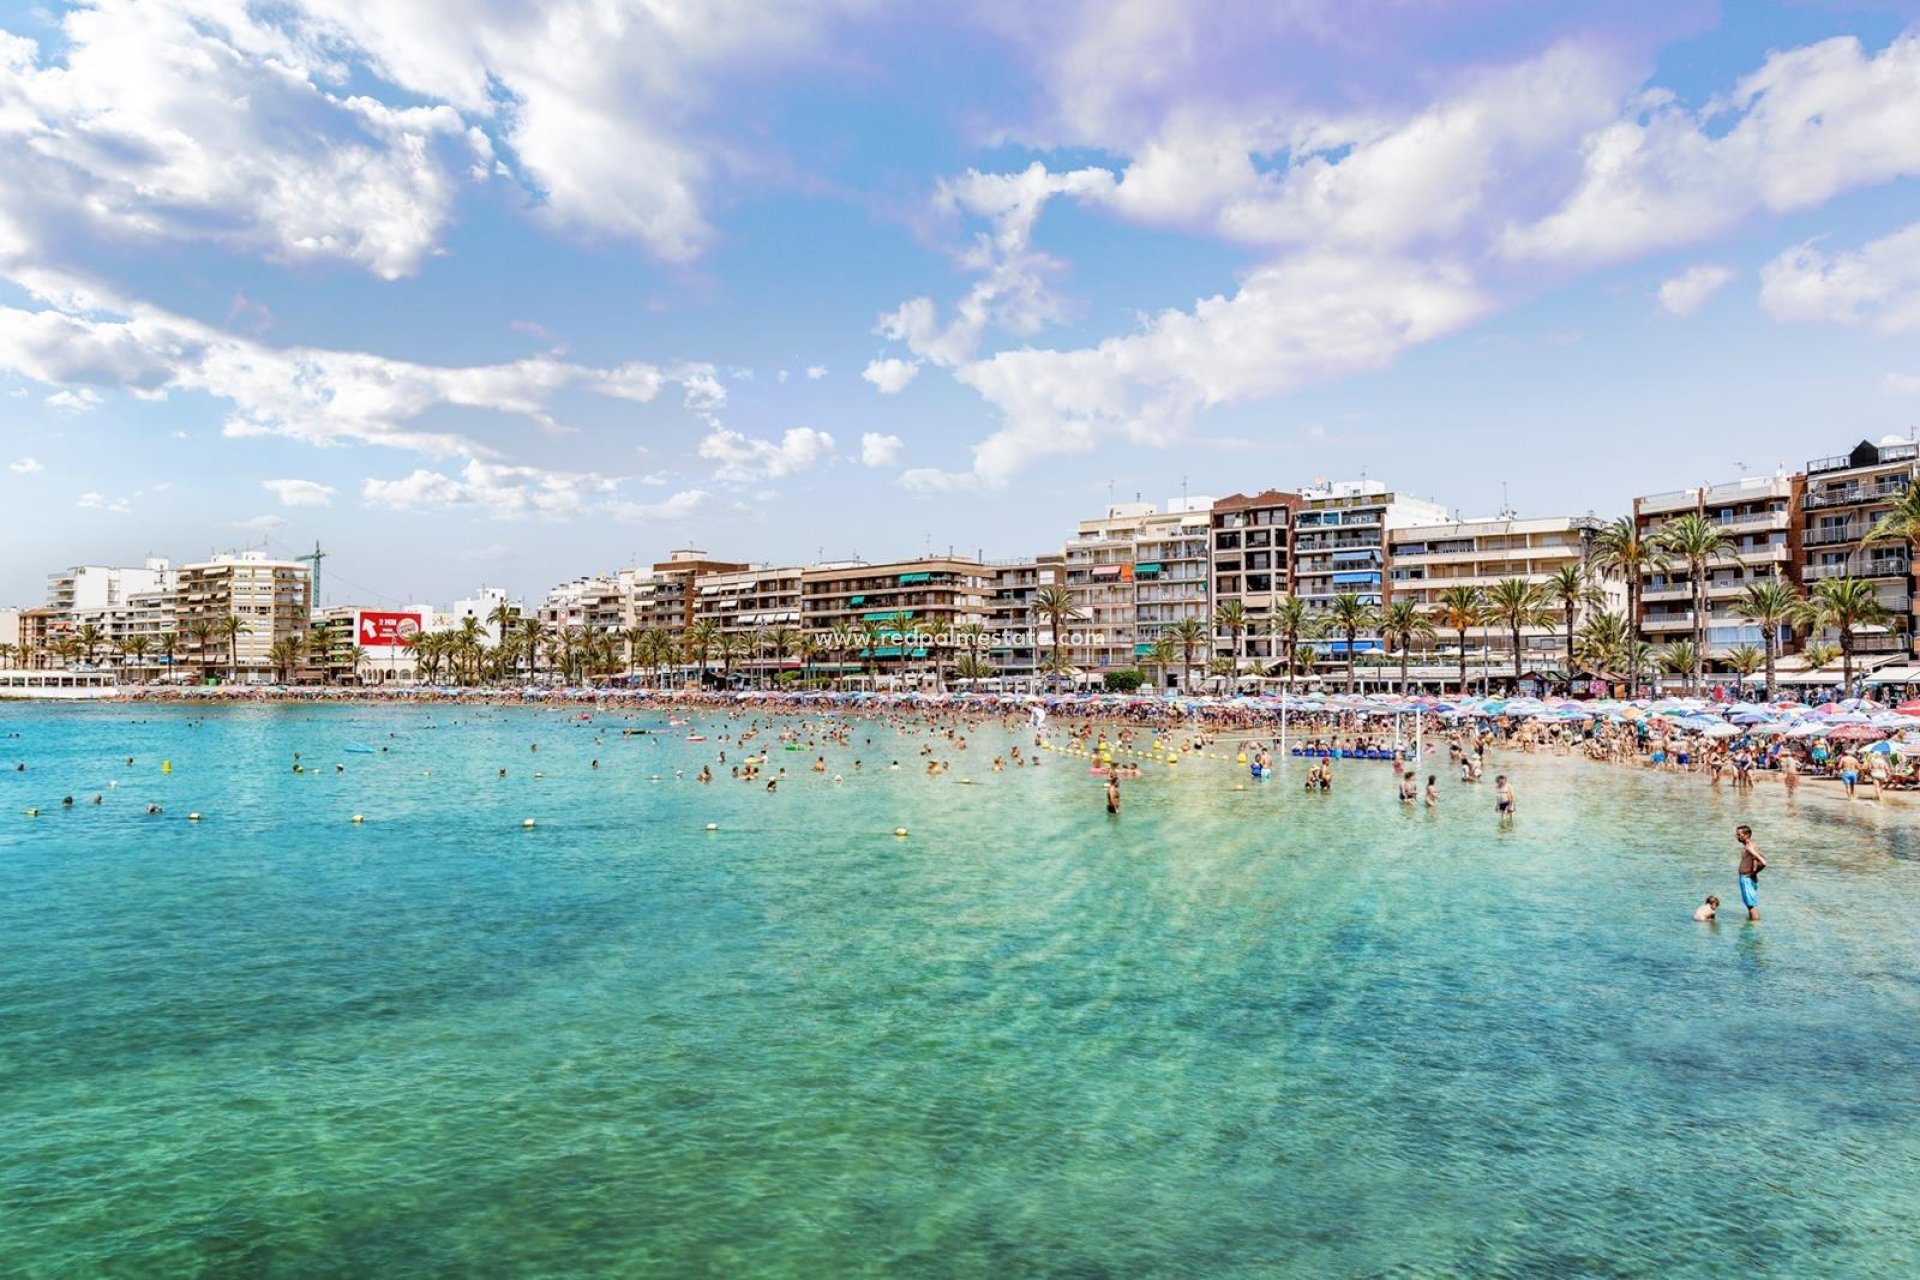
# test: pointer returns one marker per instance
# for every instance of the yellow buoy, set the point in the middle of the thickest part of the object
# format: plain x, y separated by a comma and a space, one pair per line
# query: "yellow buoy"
166, 766
900, 831
193, 817
528, 822
33, 813
358, 819
713, 826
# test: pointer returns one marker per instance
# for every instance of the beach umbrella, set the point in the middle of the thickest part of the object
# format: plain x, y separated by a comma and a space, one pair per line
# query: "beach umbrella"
1910, 708
1856, 733
1880, 749
1720, 730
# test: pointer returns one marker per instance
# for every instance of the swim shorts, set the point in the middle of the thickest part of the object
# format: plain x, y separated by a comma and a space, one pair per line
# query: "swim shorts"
1749, 892
1849, 777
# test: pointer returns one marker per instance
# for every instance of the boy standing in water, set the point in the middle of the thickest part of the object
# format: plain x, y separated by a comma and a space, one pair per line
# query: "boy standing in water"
1748, 873
1503, 798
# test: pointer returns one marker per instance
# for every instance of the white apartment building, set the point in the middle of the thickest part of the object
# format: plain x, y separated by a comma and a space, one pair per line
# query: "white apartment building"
1340, 545
1135, 574
1761, 515
1426, 560
481, 606
748, 606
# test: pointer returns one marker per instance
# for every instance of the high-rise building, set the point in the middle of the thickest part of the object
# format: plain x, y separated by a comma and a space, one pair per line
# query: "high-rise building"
111, 605
1424, 561
271, 600
1761, 515
1340, 546
1252, 560
926, 601
1135, 574
749, 606
1018, 639
1845, 496
482, 606
663, 600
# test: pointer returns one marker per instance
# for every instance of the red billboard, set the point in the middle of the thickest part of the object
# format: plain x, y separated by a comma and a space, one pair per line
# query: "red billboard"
387, 630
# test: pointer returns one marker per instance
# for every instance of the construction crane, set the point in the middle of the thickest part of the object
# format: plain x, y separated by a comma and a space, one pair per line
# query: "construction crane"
314, 559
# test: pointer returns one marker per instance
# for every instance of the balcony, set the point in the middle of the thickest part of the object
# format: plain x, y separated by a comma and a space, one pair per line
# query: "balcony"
1888, 567
1852, 531
1843, 461
1856, 494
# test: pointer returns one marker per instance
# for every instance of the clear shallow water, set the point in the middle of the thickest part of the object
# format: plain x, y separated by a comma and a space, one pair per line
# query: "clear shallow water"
1234, 1033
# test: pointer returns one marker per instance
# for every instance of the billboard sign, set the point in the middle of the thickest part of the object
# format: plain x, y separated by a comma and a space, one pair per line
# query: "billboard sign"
387, 630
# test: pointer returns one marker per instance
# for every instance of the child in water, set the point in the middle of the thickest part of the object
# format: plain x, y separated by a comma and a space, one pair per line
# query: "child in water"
1707, 910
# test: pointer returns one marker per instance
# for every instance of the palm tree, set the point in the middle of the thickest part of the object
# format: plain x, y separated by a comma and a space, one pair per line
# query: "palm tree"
1844, 604
168, 642
8, 652
1698, 542
89, 637
503, 618
1619, 548
1055, 604
1402, 625
971, 667
1516, 604
732, 647
1290, 622
1190, 634
1163, 653
1350, 613
1745, 660
1231, 617
785, 643
135, 647
1460, 609
1901, 523
1681, 658
1571, 588
284, 653
200, 639
533, 635
356, 657
1770, 604
1818, 653
1641, 660
1605, 643
230, 629
807, 647
697, 641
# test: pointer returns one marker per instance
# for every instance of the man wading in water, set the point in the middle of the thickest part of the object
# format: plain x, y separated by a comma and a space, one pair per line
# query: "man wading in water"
1751, 865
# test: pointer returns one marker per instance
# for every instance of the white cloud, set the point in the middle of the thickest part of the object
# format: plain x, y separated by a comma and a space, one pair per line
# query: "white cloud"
1878, 286
257, 524
1810, 124
1289, 324
678, 507
815, 372
83, 400
1894, 384
877, 450
1687, 292
743, 459
300, 493
891, 375
502, 492
100, 502
310, 394
25, 467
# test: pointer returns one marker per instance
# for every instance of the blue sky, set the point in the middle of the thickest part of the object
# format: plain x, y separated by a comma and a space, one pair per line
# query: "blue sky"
507, 292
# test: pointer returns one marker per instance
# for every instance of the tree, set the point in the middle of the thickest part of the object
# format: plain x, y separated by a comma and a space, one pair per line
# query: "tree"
1571, 587
1746, 659
168, 642
135, 647
1516, 604
89, 637
1126, 680
1620, 549
8, 652
1350, 613
1819, 653
200, 635
1290, 623
1605, 644
356, 658
533, 636
784, 643
971, 667
1901, 523
731, 647
230, 629
698, 640
1163, 654
636, 639
873, 637
284, 653
1771, 604
1844, 604
1231, 617
807, 648
1698, 542
1055, 604
1681, 659
1190, 634
1459, 610
1403, 625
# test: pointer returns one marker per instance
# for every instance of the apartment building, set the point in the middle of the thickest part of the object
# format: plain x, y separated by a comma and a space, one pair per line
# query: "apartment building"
1172, 574
597, 603
1135, 574
482, 607
1844, 496
1251, 564
748, 606
928, 599
1424, 561
664, 599
1019, 640
118, 603
272, 598
1340, 545
1760, 515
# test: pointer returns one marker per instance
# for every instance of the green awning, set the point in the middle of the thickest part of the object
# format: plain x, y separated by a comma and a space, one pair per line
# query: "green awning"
1141, 650
1150, 567
887, 615
856, 599
907, 579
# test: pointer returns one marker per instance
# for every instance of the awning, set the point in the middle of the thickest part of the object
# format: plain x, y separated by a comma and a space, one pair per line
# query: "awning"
1826, 675
1356, 579
1149, 567
907, 579
1363, 553
1106, 571
1895, 675
856, 599
887, 615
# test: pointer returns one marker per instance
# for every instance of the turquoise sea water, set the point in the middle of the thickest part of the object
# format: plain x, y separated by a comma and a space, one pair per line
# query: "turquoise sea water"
1232, 1033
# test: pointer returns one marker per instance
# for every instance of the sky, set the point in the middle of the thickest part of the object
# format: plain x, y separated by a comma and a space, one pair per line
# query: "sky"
489, 292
